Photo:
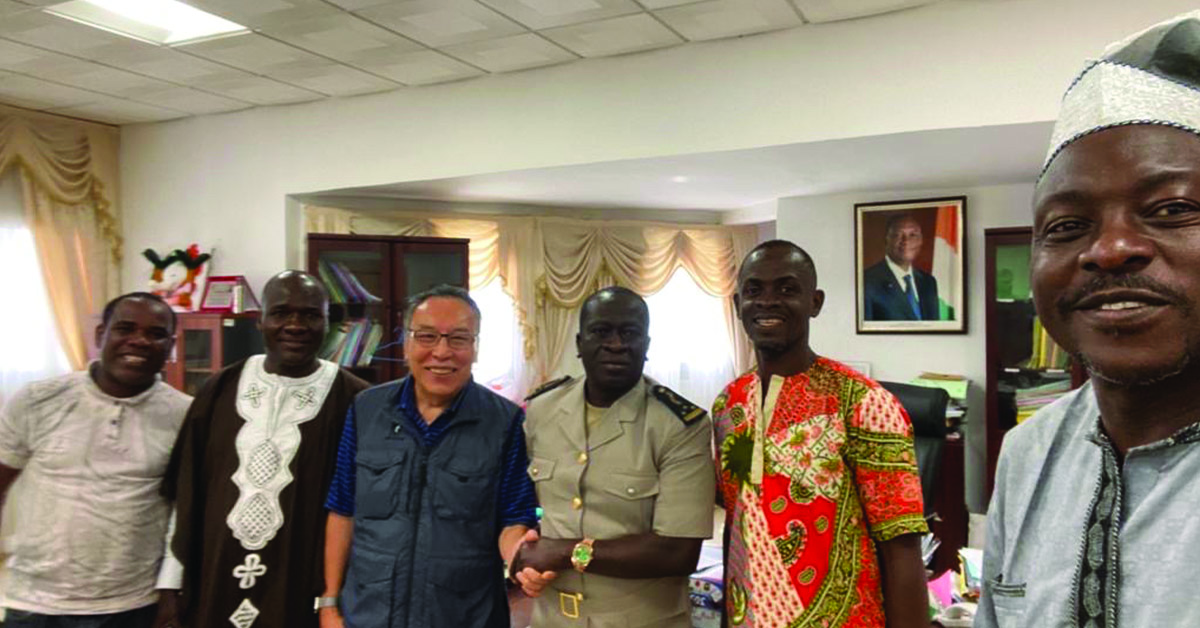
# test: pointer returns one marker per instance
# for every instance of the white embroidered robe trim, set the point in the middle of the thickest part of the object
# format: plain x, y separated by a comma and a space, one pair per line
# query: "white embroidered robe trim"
273, 407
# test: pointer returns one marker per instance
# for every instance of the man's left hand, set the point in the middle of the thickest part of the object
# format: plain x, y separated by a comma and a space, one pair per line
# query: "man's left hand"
542, 554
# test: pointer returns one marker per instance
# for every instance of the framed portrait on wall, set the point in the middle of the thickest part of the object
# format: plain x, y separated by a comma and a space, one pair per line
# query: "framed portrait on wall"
910, 266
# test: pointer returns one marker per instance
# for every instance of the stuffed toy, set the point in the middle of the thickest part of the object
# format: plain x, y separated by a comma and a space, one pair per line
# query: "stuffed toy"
174, 276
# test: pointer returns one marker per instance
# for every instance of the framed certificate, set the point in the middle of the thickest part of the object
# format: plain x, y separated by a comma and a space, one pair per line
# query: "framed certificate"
228, 293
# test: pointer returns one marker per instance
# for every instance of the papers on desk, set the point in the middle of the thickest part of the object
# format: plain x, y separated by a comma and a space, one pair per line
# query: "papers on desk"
955, 385
929, 546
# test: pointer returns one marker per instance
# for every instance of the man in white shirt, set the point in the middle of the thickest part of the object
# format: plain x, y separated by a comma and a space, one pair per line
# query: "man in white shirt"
91, 448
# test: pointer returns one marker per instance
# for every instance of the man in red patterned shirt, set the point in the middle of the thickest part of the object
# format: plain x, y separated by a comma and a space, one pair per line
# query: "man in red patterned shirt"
817, 472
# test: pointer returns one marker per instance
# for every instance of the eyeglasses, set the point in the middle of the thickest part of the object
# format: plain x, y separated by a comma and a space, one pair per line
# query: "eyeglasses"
456, 340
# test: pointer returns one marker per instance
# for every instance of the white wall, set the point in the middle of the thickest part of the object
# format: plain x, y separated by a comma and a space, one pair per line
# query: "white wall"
223, 180
824, 226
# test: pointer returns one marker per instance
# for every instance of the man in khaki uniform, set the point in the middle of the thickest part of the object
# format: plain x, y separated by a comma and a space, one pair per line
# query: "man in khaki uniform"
624, 474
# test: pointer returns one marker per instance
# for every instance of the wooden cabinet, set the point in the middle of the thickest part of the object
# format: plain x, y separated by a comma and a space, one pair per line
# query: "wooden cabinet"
1025, 368
205, 343
369, 278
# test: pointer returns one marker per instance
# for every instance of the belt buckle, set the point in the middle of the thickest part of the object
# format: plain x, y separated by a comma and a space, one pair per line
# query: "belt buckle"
568, 604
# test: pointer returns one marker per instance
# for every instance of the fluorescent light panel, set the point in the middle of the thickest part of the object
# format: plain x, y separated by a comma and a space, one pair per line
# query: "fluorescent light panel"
166, 22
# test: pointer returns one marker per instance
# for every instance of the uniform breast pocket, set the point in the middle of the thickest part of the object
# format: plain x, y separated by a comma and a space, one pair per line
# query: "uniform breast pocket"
540, 470
378, 485
461, 493
633, 496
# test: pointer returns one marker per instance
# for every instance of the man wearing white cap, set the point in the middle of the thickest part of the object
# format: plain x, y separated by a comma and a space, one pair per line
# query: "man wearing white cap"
1094, 519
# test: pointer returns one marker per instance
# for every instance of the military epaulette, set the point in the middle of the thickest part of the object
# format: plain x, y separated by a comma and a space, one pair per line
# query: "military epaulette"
548, 386
682, 408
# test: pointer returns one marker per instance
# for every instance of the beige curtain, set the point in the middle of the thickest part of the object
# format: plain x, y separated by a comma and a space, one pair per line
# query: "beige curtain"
549, 265
68, 177
582, 256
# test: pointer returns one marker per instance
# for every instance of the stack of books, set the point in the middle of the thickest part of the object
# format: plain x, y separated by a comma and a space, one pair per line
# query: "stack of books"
353, 342
1046, 353
342, 285
1030, 400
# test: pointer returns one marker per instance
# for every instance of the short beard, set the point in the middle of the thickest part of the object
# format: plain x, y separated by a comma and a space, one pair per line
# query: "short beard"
1140, 380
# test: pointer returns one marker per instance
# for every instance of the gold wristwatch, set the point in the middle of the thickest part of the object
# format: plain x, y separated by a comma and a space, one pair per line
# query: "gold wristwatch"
581, 555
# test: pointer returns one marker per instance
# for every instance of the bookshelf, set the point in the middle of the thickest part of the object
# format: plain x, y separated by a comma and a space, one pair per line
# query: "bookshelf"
1026, 370
368, 279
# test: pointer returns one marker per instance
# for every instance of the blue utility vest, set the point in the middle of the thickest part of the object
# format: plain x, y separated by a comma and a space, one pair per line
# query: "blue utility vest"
426, 522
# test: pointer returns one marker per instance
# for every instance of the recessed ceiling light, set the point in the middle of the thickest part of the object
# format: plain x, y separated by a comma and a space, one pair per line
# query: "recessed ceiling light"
680, 179
164, 22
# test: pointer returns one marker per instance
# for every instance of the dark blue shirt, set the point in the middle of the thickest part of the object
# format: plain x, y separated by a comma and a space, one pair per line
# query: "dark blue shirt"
518, 500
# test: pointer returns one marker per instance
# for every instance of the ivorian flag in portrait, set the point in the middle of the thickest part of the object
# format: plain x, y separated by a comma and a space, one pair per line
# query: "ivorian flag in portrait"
945, 261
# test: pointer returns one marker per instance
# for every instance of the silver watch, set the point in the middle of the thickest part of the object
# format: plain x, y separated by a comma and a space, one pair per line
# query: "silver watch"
324, 602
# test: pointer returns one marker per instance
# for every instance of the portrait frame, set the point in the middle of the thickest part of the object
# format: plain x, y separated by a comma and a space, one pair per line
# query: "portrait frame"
935, 267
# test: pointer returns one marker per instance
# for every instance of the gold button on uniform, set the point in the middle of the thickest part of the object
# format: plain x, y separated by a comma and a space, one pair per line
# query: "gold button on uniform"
582, 457
630, 490
576, 503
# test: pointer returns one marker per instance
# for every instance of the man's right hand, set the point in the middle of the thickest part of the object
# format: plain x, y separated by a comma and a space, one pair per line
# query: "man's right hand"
168, 609
331, 617
531, 580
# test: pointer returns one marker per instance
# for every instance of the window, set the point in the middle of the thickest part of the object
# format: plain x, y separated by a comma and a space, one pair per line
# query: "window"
31, 348
690, 351
501, 359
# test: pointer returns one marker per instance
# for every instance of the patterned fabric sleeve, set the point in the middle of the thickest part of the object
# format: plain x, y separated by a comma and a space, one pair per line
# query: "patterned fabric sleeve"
885, 466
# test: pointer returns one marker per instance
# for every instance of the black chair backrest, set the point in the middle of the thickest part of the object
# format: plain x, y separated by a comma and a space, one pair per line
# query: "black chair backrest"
925, 406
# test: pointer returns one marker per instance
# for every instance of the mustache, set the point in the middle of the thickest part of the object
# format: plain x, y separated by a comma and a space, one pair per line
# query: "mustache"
1066, 302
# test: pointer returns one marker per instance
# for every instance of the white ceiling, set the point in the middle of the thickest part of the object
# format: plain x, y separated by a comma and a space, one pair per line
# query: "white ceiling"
735, 180
303, 50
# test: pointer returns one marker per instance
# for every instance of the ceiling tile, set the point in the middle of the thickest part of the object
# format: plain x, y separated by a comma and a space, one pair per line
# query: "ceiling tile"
251, 52
439, 23
729, 18
21, 58
332, 79
832, 10
26, 91
256, 89
8, 7
99, 78
506, 54
662, 4
618, 35
117, 111
539, 14
264, 13
167, 64
192, 101
354, 5
344, 37
420, 68
51, 32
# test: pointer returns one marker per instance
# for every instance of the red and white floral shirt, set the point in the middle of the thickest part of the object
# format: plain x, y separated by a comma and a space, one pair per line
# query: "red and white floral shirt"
807, 491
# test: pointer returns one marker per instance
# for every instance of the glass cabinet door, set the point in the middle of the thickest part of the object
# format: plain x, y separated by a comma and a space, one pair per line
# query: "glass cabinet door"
424, 269
199, 359
1033, 370
357, 276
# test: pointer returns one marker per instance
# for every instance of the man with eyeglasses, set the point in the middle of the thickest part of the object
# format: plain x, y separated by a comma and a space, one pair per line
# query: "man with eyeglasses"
624, 473
249, 473
430, 498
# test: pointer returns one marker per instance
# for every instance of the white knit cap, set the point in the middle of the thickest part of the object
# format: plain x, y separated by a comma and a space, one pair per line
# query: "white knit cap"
1152, 77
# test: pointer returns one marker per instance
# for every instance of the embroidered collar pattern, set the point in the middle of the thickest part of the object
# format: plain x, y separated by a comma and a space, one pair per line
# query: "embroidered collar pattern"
273, 408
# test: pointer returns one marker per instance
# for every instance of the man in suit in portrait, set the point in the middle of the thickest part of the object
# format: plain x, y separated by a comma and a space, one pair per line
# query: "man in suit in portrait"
894, 289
